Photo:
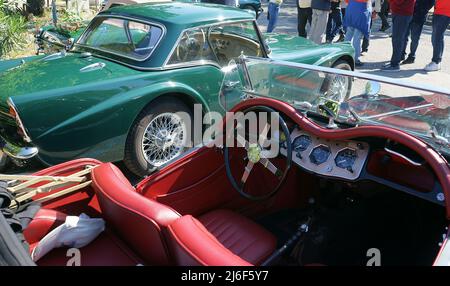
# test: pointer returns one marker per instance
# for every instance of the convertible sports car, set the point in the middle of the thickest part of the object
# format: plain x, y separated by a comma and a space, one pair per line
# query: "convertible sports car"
349, 186
128, 73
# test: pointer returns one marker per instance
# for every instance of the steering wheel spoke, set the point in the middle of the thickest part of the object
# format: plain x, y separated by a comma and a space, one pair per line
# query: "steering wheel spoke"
247, 171
271, 167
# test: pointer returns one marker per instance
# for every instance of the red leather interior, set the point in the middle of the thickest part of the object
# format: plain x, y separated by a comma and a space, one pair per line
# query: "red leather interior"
240, 235
137, 220
219, 238
43, 222
106, 250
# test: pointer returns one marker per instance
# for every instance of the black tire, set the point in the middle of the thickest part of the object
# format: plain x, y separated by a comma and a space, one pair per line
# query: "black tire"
343, 65
134, 158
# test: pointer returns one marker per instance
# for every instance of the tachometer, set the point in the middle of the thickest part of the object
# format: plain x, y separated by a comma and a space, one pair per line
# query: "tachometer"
320, 154
301, 143
346, 158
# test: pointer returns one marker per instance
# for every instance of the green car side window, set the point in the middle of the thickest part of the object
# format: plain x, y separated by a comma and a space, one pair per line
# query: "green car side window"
123, 37
229, 41
192, 46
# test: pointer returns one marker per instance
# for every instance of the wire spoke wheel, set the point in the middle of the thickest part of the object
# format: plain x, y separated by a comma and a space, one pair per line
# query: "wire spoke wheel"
164, 139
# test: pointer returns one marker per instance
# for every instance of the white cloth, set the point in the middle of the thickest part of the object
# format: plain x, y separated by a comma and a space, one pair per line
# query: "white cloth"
75, 232
304, 3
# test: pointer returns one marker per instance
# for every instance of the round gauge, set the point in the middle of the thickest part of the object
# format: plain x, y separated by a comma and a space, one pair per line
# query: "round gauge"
320, 154
301, 143
345, 159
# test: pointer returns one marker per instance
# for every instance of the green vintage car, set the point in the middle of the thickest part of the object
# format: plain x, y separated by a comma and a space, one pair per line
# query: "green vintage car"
114, 94
51, 38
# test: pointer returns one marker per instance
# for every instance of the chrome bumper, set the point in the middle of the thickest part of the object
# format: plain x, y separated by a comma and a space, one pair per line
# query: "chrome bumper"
16, 152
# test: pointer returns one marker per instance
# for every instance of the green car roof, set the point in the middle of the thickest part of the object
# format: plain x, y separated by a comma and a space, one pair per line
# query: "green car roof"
182, 14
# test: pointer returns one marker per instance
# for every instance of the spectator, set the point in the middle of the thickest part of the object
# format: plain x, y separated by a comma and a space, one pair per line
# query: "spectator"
334, 25
304, 16
402, 11
273, 11
441, 20
383, 14
415, 28
320, 10
357, 21
366, 41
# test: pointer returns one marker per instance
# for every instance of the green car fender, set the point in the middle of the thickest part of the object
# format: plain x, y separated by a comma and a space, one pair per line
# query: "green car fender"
113, 117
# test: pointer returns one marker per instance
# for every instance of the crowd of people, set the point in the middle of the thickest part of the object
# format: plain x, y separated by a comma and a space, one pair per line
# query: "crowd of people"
351, 20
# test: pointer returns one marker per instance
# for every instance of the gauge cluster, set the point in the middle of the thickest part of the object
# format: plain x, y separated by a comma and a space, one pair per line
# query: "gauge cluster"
343, 159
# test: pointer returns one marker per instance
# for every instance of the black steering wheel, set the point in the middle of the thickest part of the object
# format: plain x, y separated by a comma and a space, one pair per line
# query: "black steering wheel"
255, 154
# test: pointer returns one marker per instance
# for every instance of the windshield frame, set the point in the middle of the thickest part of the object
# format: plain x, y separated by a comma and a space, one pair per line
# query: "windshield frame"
119, 55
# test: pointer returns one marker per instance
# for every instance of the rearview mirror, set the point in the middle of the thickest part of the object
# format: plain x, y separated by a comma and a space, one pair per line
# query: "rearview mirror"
372, 88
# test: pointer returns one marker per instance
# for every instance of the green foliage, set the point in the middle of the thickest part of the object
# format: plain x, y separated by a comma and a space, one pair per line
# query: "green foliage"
12, 30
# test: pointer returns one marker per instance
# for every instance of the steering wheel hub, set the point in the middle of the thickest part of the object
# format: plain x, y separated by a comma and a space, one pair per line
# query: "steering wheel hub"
254, 153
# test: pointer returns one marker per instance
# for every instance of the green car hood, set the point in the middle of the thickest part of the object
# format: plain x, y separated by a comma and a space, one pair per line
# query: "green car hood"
43, 76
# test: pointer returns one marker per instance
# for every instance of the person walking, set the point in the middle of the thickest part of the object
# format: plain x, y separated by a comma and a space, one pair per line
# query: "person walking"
441, 20
320, 10
273, 11
376, 5
334, 25
421, 10
357, 20
402, 11
383, 14
304, 16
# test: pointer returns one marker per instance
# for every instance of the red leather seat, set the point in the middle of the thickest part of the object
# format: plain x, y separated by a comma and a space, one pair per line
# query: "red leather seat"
216, 238
141, 230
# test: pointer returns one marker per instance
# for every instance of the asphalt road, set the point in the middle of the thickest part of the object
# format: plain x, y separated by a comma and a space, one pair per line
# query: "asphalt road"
380, 49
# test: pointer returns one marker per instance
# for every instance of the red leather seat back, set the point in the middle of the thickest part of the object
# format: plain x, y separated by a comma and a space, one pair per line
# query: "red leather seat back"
136, 219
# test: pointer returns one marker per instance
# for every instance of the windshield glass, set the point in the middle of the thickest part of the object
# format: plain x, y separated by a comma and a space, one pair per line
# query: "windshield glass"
123, 37
344, 95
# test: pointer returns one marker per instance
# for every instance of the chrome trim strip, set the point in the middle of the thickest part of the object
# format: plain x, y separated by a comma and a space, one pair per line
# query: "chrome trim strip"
26, 137
138, 20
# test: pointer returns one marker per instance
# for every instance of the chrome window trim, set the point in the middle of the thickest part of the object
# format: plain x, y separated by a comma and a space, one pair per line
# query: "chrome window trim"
209, 62
134, 19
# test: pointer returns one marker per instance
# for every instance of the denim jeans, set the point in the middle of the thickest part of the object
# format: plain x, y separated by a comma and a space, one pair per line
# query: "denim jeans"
273, 11
384, 13
421, 10
400, 25
440, 24
304, 16
334, 25
355, 36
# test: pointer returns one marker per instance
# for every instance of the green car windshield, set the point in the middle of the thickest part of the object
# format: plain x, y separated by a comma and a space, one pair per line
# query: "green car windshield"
345, 96
123, 37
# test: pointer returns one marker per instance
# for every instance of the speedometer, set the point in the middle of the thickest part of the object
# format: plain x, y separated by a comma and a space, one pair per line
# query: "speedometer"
320, 154
301, 143
346, 158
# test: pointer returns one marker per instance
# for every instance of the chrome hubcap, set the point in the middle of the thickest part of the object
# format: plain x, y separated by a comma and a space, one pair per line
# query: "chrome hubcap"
164, 139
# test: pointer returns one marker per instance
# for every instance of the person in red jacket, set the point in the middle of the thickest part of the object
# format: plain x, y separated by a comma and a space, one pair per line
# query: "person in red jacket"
441, 20
402, 12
